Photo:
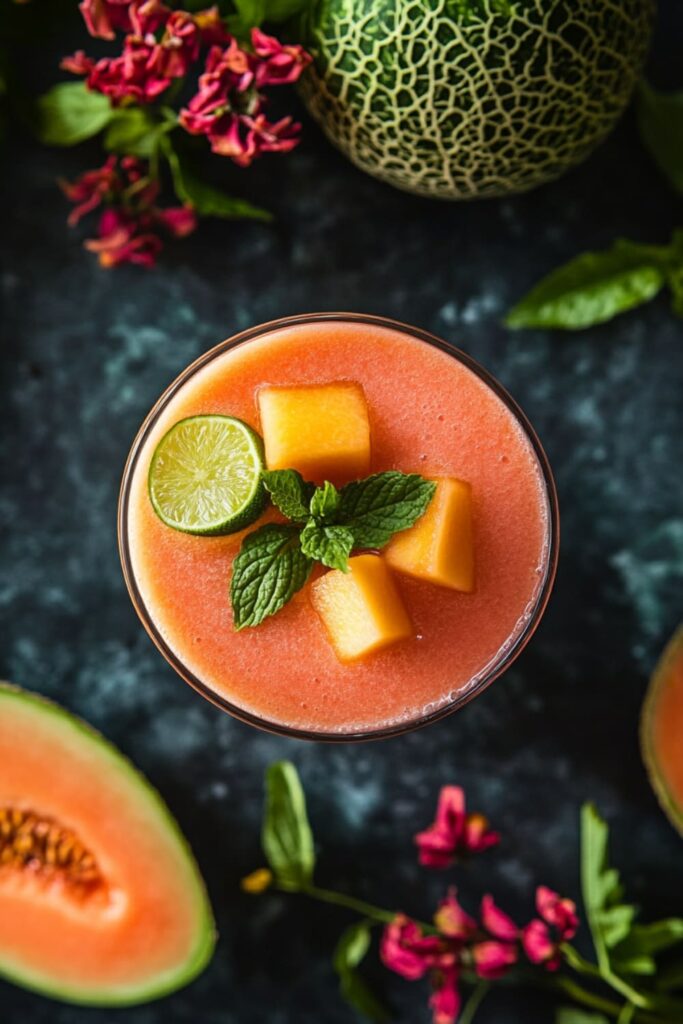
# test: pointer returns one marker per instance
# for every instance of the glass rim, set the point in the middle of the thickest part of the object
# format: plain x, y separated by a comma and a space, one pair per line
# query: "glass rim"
498, 665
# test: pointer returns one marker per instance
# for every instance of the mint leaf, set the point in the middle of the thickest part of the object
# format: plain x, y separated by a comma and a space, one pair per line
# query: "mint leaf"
289, 491
268, 570
206, 199
70, 113
132, 133
635, 954
330, 545
350, 952
572, 1015
376, 508
660, 122
325, 501
286, 834
593, 288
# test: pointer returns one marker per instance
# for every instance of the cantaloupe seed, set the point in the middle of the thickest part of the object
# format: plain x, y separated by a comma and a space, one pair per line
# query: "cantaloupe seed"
32, 842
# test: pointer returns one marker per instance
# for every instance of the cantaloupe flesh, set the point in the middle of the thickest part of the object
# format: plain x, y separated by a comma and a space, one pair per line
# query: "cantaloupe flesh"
361, 610
322, 431
440, 547
150, 930
662, 730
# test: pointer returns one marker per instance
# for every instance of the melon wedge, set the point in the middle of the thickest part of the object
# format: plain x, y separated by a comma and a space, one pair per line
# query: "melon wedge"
101, 902
661, 730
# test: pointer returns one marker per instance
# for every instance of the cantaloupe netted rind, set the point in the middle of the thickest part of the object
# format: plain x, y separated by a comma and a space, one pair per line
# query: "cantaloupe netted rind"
668, 674
464, 98
101, 901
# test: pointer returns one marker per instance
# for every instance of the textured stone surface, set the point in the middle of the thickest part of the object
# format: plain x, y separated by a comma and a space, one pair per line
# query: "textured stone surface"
84, 353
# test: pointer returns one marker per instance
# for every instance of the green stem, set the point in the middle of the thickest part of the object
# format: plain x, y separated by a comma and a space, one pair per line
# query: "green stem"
604, 971
340, 899
473, 1003
626, 1014
596, 1002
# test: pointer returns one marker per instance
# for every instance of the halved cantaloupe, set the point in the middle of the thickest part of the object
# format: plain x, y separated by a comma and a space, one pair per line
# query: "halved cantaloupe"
323, 431
101, 902
661, 730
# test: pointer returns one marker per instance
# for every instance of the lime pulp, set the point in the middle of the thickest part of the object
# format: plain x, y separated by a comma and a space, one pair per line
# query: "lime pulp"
205, 475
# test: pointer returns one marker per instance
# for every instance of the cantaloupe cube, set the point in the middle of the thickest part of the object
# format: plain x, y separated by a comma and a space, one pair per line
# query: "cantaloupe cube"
440, 547
362, 609
323, 431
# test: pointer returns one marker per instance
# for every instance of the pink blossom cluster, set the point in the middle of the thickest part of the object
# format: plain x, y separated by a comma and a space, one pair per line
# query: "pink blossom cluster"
488, 946
161, 45
129, 225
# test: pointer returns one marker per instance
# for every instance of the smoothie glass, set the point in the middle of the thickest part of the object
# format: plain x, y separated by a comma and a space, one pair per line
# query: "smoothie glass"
485, 673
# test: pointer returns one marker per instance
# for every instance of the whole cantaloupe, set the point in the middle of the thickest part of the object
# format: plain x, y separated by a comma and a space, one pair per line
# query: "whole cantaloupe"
466, 98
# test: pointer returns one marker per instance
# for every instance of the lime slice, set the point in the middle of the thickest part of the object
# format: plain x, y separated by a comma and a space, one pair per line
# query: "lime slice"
205, 475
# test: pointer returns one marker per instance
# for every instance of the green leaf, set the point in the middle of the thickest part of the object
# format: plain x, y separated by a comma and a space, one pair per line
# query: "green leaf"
286, 834
634, 954
268, 570
330, 545
376, 508
325, 501
593, 288
289, 491
206, 199
283, 10
132, 133
572, 1015
255, 12
350, 952
615, 923
660, 122
70, 113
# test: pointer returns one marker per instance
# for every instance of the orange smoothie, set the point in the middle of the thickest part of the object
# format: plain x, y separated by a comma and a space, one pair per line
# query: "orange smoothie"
429, 413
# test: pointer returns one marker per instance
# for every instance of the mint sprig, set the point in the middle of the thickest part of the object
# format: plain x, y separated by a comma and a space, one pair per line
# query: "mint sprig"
326, 525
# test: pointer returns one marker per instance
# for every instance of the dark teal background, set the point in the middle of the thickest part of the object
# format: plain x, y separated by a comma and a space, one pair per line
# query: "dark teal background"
85, 352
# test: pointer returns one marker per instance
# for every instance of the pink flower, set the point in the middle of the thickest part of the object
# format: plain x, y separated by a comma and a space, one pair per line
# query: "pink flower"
179, 47
104, 17
179, 221
452, 921
134, 74
496, 922
493, 959
445, 1000
539, 946
212, 27
453, 831
405, 950
279, 64
558, 912
128, 231
228, 107
146, 16
537, 940
91, 189
244, 138
123, 239
78, 63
